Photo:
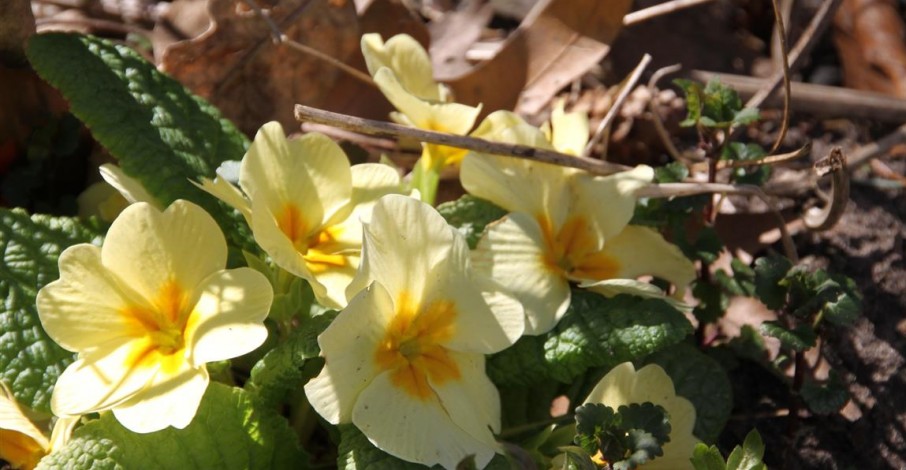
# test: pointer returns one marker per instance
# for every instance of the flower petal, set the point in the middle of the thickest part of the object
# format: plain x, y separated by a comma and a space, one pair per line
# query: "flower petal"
348, 346
643, 251
148, 249
170, 400
12, 419
370, 181
569, 131
407, 59
609, 201
612, 287
99, 380
129, 187
84, 307
228, 319
404, 241
453, 118
222, 189
472, 402
511, 252
397, 424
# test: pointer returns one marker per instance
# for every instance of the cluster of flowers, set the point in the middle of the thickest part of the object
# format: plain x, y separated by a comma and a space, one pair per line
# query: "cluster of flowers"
405, 357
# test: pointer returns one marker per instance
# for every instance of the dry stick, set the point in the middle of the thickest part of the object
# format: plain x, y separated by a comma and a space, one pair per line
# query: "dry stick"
874, 149
656, 117
784, 55
380, 128
691, 189
278, 37
820, 219
803, 46
96, 24
618, 102
646, 14
769, 160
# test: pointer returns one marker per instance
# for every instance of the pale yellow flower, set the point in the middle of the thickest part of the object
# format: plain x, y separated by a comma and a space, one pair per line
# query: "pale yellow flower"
405, 361
146, 312
624, 385
564, 226
21, 443
305, 205
402, 70
567, 132
106, 199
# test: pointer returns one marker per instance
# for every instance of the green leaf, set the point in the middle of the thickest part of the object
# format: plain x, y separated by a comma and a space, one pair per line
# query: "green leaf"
230, 431
30, 362
707, 458
701, 380
746, 116
648, 416
576, 459
693, 91
596, 331
720, 104
748, 457
825, 398
591, 420
162, 134
801, 338
629, 437
844, 303
674, 172
470, 215
357, 452
293, 361
769, 271
712, 301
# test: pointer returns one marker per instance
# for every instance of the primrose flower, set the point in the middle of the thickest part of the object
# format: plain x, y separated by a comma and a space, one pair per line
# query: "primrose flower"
405, 361
564, 226
305, 205
623, 385
106, 199
145, 312
402, 70
22, 444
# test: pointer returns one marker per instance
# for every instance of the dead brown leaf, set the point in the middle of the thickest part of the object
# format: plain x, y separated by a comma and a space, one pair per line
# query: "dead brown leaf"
869, 37
236, 66
182, 20
556, 43
454, 34
17, 23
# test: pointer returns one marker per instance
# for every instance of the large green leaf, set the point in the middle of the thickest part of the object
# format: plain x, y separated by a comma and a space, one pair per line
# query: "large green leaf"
470, 215
30, 361
596, 331
230, 431
701, 380
162, 134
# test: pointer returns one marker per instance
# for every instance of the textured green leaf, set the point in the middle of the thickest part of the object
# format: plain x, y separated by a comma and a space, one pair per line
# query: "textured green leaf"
595, 332
748, 457
693, 91
470, 215
230, 431
162, 134
825, 398
291, 362
701, 380
357, 452
707, 458
801, 338
769, 271
30, 361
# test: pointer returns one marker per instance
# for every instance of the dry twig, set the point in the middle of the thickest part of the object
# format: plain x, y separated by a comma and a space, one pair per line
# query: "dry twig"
785, 61
617, 103
646, 14
656, 117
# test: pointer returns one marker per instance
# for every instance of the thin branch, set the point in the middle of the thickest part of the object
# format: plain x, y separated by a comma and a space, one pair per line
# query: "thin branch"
785, 60
874, 149
769, 160
618, 102
803, 46
820, 219
278, 37
93, 23
380, 128
646, 14
656, 117
691, 189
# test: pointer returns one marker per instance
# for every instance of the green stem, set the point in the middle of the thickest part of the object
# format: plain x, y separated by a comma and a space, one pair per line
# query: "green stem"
426, 180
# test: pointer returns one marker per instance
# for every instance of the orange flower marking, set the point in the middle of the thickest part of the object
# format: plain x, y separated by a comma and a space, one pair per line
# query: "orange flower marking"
413, 347
20, 450
573, 251
162, 328
320, 249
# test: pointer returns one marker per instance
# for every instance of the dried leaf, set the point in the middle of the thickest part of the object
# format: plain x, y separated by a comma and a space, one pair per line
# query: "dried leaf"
454, 34
556, 43
237, 67
16, 24
182, 19
869, 36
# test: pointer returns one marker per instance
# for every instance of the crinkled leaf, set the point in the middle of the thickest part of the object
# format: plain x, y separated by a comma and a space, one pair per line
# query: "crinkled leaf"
596, 331
825, 398
647, 416
643, 447
707, 458
470, 215
627, 437
591, 420
230, 430
30, 362
162, 134
701, 380
291, 362
748, 457
712, 301
720, 104
693, 91
769, 271
801, 338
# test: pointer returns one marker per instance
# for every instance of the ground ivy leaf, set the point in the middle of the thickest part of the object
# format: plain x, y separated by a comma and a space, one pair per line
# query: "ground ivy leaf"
801, 338
825, 398
701, 380
748, 457
162, 134
290, 362
707, 458
357, 452
30, 362
230, 431
470, 215
769, 271
596, 331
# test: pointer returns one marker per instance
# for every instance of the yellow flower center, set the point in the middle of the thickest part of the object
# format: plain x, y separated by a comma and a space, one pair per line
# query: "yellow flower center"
573, 251
320, 249
20, 450
160, 330
413, 347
